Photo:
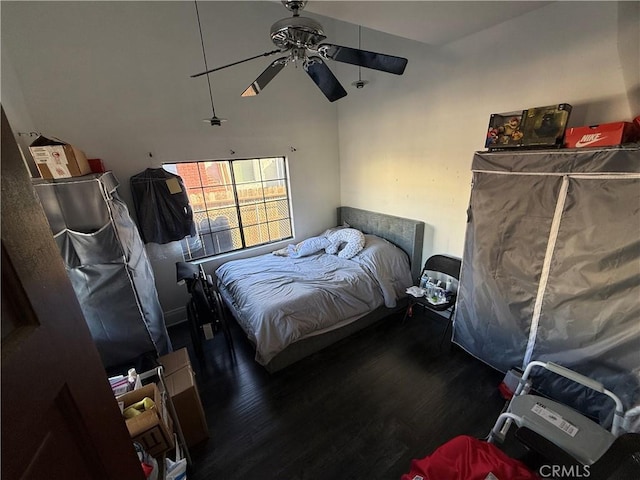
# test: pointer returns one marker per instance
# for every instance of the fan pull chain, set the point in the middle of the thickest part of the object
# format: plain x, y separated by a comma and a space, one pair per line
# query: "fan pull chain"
359, 83
359, 48
204, 55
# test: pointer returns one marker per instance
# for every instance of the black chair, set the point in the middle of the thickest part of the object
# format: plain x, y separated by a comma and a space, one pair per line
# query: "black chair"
205, 310
443, 268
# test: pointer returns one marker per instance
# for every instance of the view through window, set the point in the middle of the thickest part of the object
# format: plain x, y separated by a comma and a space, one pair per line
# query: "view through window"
236, 204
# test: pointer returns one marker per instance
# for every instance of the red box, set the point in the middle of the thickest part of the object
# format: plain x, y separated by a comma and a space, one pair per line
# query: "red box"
602, 135
96, 165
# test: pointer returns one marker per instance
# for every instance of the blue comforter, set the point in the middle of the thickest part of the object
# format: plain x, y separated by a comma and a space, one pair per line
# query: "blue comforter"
279, 300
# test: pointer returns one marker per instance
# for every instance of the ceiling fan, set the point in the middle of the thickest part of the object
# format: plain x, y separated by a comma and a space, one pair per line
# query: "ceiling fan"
300, 39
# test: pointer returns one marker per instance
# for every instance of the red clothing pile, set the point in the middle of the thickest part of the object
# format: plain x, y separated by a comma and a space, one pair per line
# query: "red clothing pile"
467, 458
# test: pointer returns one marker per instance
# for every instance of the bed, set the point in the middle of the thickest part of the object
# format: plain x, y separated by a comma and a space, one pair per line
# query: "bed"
290, 308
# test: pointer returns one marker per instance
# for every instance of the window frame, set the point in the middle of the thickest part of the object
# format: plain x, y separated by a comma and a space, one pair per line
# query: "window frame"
228, 171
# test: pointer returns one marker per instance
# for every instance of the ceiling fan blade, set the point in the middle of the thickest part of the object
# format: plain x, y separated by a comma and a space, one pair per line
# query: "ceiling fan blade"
265, 77
266, 54
324, 78
363, 58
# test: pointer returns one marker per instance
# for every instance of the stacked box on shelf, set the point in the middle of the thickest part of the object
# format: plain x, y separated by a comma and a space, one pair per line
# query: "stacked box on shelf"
605, 134
181, 386
531, 128
545, 126
505, 130
57, 159
152, 428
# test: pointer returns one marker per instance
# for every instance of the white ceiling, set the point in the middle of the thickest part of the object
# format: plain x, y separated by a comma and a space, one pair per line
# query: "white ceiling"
430, 22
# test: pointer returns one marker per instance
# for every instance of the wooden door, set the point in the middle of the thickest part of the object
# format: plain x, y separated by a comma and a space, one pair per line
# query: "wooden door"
59, 417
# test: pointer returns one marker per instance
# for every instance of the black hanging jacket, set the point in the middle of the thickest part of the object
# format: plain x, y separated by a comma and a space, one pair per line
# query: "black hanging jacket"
162, 206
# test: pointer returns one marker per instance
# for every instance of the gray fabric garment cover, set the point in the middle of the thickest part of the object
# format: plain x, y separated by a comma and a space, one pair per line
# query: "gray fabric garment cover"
551, 268
107, 265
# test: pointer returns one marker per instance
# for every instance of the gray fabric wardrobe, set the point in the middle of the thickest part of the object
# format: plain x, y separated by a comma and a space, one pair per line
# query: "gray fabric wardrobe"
551, 266
108, 266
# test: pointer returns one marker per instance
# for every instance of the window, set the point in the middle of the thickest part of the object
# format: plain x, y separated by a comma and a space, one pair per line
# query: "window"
236, 204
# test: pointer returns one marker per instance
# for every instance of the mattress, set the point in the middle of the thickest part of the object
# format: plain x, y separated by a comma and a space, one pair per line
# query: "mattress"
280, 300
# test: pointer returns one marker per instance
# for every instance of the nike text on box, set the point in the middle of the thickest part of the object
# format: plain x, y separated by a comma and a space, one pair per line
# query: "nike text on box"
602, 135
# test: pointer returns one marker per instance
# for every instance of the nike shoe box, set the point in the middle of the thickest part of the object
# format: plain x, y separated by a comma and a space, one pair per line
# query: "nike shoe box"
605, 134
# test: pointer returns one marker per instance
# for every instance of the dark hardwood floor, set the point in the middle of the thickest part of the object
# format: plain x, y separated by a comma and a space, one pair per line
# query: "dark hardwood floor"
360, 409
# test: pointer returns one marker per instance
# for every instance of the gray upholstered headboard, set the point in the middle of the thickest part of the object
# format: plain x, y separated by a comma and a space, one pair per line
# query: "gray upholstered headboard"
405, 233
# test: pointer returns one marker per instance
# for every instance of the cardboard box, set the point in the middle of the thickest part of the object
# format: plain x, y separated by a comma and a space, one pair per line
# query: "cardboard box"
56, 159
152, 428
602, 135
181, 385
174, 361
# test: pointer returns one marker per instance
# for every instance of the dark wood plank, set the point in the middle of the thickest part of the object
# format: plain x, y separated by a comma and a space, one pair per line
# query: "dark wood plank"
362, 408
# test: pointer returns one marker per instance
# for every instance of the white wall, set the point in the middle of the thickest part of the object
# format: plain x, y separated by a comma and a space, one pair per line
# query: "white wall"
406, 146
113, 79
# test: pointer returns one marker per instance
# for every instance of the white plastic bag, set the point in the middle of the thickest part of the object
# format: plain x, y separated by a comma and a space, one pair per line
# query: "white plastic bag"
176, 470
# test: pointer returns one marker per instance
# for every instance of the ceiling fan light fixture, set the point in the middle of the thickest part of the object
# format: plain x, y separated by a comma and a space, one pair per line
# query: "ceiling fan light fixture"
299, 40
296, 32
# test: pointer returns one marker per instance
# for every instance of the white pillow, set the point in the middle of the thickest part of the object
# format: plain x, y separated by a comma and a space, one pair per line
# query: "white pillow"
353, 238
308, 247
